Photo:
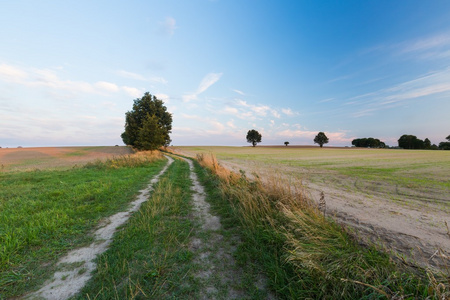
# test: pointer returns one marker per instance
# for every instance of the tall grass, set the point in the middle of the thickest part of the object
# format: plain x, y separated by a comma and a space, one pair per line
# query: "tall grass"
44, 214
306, 255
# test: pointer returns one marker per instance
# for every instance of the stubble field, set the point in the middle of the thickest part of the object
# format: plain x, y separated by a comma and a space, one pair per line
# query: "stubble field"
397, 198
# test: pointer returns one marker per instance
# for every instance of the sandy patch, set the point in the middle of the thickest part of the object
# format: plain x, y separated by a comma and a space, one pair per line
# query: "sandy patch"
78, 264
408, 226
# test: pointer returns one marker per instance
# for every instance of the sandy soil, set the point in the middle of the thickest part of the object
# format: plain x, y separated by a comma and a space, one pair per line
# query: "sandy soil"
411, 229
77, 266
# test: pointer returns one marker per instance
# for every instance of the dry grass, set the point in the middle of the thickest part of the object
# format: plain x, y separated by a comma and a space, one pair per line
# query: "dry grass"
318, 257
23, 159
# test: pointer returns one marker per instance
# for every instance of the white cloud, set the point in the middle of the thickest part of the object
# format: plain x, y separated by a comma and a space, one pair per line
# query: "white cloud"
163, 97
133, 92
287, 111
168, 26
50, 80
423, 87
432, 42
231, 124
239, 92
231, 110
12, 74
107, 86
206, 82
135, 76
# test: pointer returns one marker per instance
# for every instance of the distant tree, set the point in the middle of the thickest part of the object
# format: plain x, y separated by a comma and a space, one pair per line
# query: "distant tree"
321, 139
253, 137
410, 142
148, 124
448, 138
427, 143
444, 145
286, 143
368, 143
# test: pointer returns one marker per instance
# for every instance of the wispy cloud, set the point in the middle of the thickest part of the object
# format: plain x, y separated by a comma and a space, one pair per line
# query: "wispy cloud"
135, 76
287, 112
338, 137
206, 82
424, 44
239, 92
50, 80
168, 26
423, 87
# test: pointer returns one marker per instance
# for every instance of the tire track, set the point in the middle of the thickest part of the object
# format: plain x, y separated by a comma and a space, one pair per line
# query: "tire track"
78, 264
219, 276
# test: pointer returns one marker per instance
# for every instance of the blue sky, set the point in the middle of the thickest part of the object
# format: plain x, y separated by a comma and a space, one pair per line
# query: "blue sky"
69, 70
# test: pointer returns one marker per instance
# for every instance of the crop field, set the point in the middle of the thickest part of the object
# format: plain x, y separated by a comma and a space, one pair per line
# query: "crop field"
20, 159
400, 196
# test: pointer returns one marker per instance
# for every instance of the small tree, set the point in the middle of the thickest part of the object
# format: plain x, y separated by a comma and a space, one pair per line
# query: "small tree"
448, 138
253, 137
321, 139
286, 143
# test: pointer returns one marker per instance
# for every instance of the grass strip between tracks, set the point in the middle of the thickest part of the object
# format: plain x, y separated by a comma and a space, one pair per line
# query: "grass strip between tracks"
150, 258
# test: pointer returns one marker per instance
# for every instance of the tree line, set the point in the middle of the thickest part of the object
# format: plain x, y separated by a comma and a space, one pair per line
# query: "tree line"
148, 126
408, 141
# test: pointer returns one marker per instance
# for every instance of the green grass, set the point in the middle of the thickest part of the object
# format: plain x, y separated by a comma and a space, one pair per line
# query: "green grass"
149, 257
43, 214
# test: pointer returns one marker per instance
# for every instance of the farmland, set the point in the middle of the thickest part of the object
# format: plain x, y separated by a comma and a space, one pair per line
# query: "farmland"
206, 232
400, 196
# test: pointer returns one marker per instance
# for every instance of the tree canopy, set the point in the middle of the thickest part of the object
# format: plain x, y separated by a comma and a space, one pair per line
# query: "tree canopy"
408, 141
253, 137
148, 124
368, 143
321, 139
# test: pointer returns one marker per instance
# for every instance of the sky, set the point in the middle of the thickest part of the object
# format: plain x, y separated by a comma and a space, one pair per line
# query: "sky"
70, 70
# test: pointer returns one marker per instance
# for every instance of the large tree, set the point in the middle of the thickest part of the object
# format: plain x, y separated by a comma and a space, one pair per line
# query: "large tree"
253, 137
148, 124
321, 139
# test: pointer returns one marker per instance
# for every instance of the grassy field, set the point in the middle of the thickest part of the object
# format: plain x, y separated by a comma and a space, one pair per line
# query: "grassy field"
280, 240
418, 175
46, 212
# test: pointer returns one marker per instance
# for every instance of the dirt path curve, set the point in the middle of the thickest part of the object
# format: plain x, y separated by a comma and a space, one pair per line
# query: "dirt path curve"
219, 276
77, 266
